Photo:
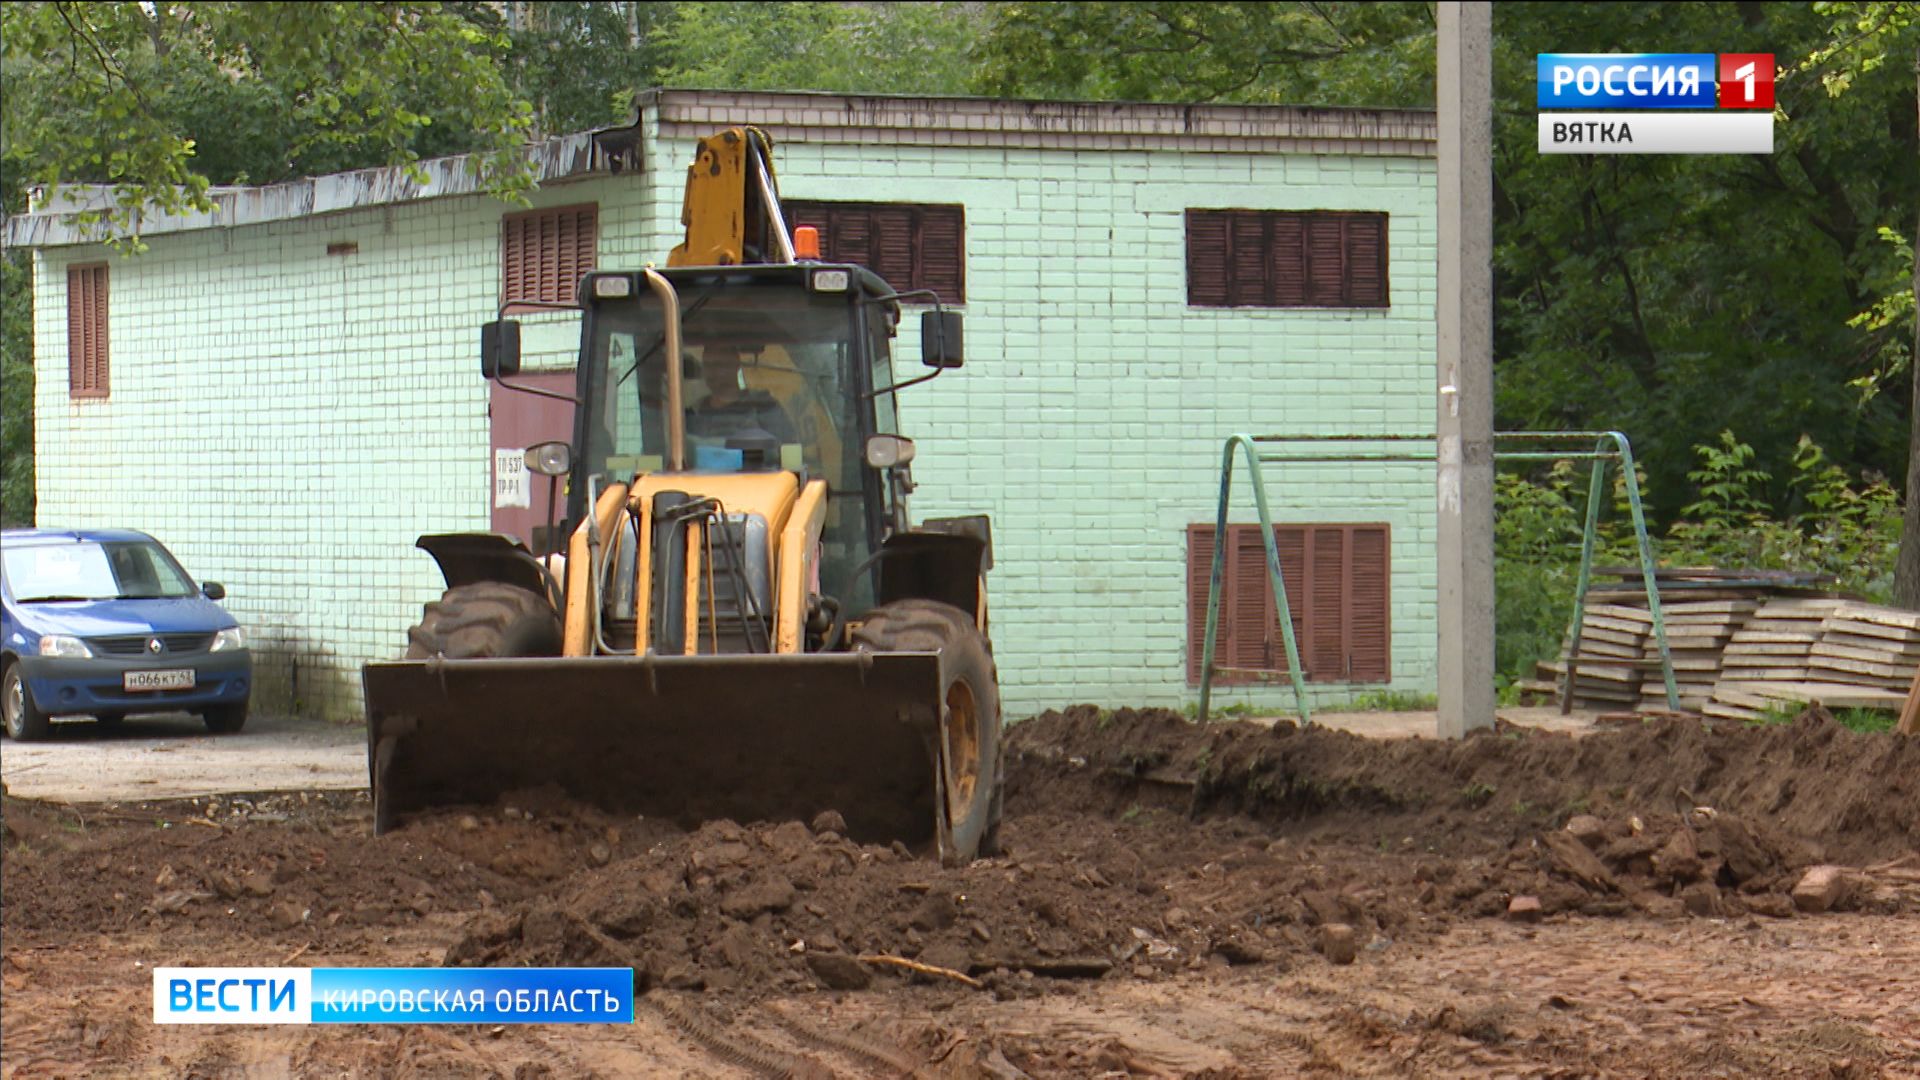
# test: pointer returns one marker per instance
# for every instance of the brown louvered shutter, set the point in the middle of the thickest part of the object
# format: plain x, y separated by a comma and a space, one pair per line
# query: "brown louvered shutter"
1289, 261
911, 245
1291, 541
1199, 586
545, 253
1326, 261
1326, 653
1250, 242
1286, 258
1250, 596
1367, 611
1207, 258
87, 367
1337, 583
1366, 243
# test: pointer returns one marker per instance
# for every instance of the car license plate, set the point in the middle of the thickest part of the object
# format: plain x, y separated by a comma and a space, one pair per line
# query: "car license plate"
159, 680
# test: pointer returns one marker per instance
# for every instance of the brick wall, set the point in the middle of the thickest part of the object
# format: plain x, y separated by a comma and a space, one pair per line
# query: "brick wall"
288, 422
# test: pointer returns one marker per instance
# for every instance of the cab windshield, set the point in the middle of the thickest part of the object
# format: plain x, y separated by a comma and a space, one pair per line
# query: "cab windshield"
764, 363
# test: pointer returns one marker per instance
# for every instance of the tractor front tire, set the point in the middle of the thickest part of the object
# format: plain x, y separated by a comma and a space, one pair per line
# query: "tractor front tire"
485, 619
967, 744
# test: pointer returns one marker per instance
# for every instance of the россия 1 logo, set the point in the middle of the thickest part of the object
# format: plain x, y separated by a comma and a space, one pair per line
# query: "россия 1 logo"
1682, 103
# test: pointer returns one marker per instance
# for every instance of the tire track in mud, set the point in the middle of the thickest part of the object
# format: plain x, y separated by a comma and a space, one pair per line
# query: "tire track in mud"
890, 1061
737, 1048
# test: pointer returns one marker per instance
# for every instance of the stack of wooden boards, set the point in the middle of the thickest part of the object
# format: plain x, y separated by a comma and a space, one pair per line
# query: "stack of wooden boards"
1739, 648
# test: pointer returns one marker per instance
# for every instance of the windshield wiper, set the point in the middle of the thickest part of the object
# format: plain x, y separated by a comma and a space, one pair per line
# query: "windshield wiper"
60, 599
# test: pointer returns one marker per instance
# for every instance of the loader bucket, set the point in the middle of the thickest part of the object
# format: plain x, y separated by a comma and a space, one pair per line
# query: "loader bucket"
686, 738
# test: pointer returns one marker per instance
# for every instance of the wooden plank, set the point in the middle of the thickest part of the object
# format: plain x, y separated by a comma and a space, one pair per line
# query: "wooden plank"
1854, 652
1588, 632
1764, 648
1883, 616
1637, 615
1910, 709
1722, 711
1871, 629
1608, 648
1864, 641
1776, 637
1832, 695
1711, 607
1898, 672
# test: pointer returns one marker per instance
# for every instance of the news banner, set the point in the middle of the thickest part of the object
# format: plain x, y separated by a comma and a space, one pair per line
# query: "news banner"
1655, 103
392, 995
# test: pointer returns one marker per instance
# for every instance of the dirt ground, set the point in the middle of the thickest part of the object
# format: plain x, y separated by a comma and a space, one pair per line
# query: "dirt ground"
156, 757
1171, 902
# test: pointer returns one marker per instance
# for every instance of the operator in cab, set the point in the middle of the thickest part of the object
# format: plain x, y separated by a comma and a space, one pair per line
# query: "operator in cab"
729, 409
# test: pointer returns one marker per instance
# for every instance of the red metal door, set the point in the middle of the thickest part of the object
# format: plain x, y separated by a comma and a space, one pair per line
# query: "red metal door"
519, 420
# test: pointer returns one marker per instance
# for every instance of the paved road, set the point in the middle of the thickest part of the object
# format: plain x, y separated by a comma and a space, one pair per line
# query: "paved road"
172, 756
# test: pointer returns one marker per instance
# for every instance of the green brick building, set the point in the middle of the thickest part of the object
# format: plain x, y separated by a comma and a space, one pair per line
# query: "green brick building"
286, 391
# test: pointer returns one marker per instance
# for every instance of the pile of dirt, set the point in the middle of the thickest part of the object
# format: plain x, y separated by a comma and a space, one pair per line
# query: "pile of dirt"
1855, 797
1142, 843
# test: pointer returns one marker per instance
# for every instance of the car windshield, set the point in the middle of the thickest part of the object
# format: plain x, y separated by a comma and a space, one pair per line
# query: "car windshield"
93, 570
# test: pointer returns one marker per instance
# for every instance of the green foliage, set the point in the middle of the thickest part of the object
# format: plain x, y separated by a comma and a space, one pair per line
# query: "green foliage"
1391, 701
918, 48
1866, 721
1672, 297
1305, 53
16, 390
126, 94
580, 64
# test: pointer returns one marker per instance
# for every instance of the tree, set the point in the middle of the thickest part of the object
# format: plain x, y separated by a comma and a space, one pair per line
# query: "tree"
918, 48
127, 94
1299, 53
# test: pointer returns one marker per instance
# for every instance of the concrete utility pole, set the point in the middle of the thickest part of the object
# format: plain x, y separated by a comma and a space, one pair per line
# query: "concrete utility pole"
1466, 367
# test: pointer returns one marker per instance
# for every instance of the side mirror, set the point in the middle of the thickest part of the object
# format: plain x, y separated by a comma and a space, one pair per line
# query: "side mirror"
889, 451
940, 339
213, 590
500, 349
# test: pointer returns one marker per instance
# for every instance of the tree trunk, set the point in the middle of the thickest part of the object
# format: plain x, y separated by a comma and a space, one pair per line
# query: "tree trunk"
1906, 571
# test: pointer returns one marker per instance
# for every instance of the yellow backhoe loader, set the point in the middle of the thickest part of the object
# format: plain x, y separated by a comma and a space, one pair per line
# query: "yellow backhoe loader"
735, 617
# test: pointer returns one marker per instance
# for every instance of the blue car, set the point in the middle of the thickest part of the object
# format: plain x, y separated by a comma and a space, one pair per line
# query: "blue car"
105, 623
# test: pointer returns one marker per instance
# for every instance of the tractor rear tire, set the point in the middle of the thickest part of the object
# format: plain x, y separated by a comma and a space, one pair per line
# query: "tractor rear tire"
485, 619
968, 742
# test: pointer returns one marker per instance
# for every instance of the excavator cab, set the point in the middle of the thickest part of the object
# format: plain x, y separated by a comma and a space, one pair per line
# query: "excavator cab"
744, 624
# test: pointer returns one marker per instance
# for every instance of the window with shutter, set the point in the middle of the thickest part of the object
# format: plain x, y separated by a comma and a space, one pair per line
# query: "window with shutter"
1286, 258
911, 245
1337, 583
87, 331
545, 253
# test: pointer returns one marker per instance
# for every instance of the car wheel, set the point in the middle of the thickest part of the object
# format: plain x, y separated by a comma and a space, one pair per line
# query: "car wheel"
23, 720
226, 719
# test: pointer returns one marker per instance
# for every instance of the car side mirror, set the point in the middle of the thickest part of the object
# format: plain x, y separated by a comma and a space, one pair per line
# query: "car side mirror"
500, 349
940, 339
213, 590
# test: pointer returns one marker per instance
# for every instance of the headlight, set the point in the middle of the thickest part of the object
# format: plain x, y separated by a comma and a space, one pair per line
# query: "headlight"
64, 645
230, 638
